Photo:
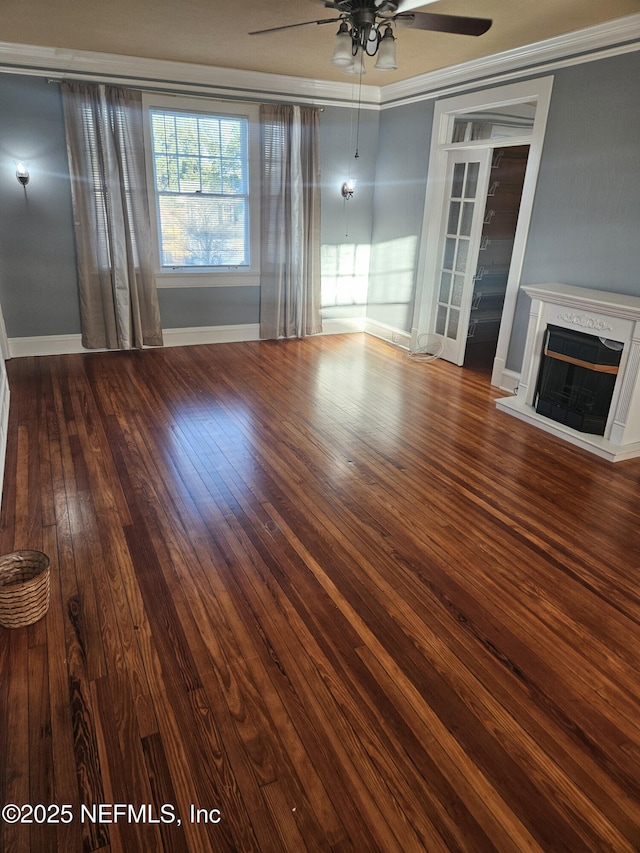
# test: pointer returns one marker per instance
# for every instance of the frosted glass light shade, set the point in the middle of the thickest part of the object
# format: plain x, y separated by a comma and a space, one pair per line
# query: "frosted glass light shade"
387, 52
342, 52
357, 66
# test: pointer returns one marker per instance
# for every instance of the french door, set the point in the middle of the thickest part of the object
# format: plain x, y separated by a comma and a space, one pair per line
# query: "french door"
466, 184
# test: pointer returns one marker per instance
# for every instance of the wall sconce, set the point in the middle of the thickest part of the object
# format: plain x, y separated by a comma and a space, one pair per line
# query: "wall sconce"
22, 173
348, 189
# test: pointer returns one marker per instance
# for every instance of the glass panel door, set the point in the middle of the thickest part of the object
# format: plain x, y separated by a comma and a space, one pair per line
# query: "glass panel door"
467, 178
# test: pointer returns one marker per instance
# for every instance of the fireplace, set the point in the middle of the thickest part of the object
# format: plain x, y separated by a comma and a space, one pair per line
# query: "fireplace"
577, 378
580, 375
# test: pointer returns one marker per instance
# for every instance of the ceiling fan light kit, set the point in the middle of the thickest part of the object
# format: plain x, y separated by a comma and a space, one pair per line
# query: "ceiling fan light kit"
352, 43
365, 29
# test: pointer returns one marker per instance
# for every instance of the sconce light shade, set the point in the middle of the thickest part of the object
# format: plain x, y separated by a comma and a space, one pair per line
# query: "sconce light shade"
348, 189
342, 50
22, 173
387, 52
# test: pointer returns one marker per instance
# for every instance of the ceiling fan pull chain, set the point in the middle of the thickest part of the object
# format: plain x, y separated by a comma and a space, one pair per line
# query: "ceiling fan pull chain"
357, 154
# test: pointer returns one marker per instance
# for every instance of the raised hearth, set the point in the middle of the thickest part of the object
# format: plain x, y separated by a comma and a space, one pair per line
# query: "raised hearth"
607, 316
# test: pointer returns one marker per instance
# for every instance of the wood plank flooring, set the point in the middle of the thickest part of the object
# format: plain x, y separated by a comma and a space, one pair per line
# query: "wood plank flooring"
313, 596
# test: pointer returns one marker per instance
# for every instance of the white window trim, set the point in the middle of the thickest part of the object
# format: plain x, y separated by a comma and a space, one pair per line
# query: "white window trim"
244, 276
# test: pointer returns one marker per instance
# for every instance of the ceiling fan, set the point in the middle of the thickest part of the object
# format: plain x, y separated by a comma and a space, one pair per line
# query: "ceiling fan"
362, 23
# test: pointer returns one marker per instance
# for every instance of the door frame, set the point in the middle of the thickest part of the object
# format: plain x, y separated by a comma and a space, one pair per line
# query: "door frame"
445, 112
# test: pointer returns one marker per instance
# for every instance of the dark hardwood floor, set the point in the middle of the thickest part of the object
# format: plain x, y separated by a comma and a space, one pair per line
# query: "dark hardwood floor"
313, 596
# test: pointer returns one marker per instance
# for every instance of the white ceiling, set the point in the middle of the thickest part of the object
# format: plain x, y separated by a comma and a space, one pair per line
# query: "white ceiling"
211, 32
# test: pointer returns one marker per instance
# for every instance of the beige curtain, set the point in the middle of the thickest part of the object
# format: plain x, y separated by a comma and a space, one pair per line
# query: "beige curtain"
290, 217
118, 298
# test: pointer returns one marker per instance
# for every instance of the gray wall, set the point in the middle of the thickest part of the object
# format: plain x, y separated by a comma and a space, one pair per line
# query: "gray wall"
37, 251
585, 227
38, 279
347, 226
191, 307
401, 179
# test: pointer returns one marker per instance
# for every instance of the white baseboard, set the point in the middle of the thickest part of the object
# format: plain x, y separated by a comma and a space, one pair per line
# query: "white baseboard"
191, 336
45, 345
388, 333
343, 325
509, 381
71, 344
211, 335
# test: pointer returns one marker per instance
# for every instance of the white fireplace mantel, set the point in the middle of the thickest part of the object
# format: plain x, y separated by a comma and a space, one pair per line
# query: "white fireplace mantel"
608, 315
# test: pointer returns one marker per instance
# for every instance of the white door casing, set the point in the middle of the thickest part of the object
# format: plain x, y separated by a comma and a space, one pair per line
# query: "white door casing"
445, 112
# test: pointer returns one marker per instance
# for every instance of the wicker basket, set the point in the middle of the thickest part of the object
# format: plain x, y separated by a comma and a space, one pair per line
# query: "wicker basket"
24, 588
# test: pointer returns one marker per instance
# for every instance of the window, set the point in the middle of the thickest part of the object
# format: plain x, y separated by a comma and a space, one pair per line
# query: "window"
201, 174
495, 123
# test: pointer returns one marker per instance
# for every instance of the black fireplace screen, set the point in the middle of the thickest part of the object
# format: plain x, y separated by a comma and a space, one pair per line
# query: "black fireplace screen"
577, 378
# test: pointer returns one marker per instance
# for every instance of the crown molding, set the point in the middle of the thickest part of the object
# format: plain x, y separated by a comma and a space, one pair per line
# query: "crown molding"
164, 75
612, 38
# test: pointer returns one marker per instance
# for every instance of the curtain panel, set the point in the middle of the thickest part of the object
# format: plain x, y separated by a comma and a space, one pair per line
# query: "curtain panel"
290, 222
118, 298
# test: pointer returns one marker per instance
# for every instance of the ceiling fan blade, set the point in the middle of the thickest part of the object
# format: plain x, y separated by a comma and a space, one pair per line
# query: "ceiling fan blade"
291, 26
458, 24
383, 7
400, 5
407, 5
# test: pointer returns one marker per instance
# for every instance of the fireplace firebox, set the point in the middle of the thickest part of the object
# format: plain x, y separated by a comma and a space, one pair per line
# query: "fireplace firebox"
577, 378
